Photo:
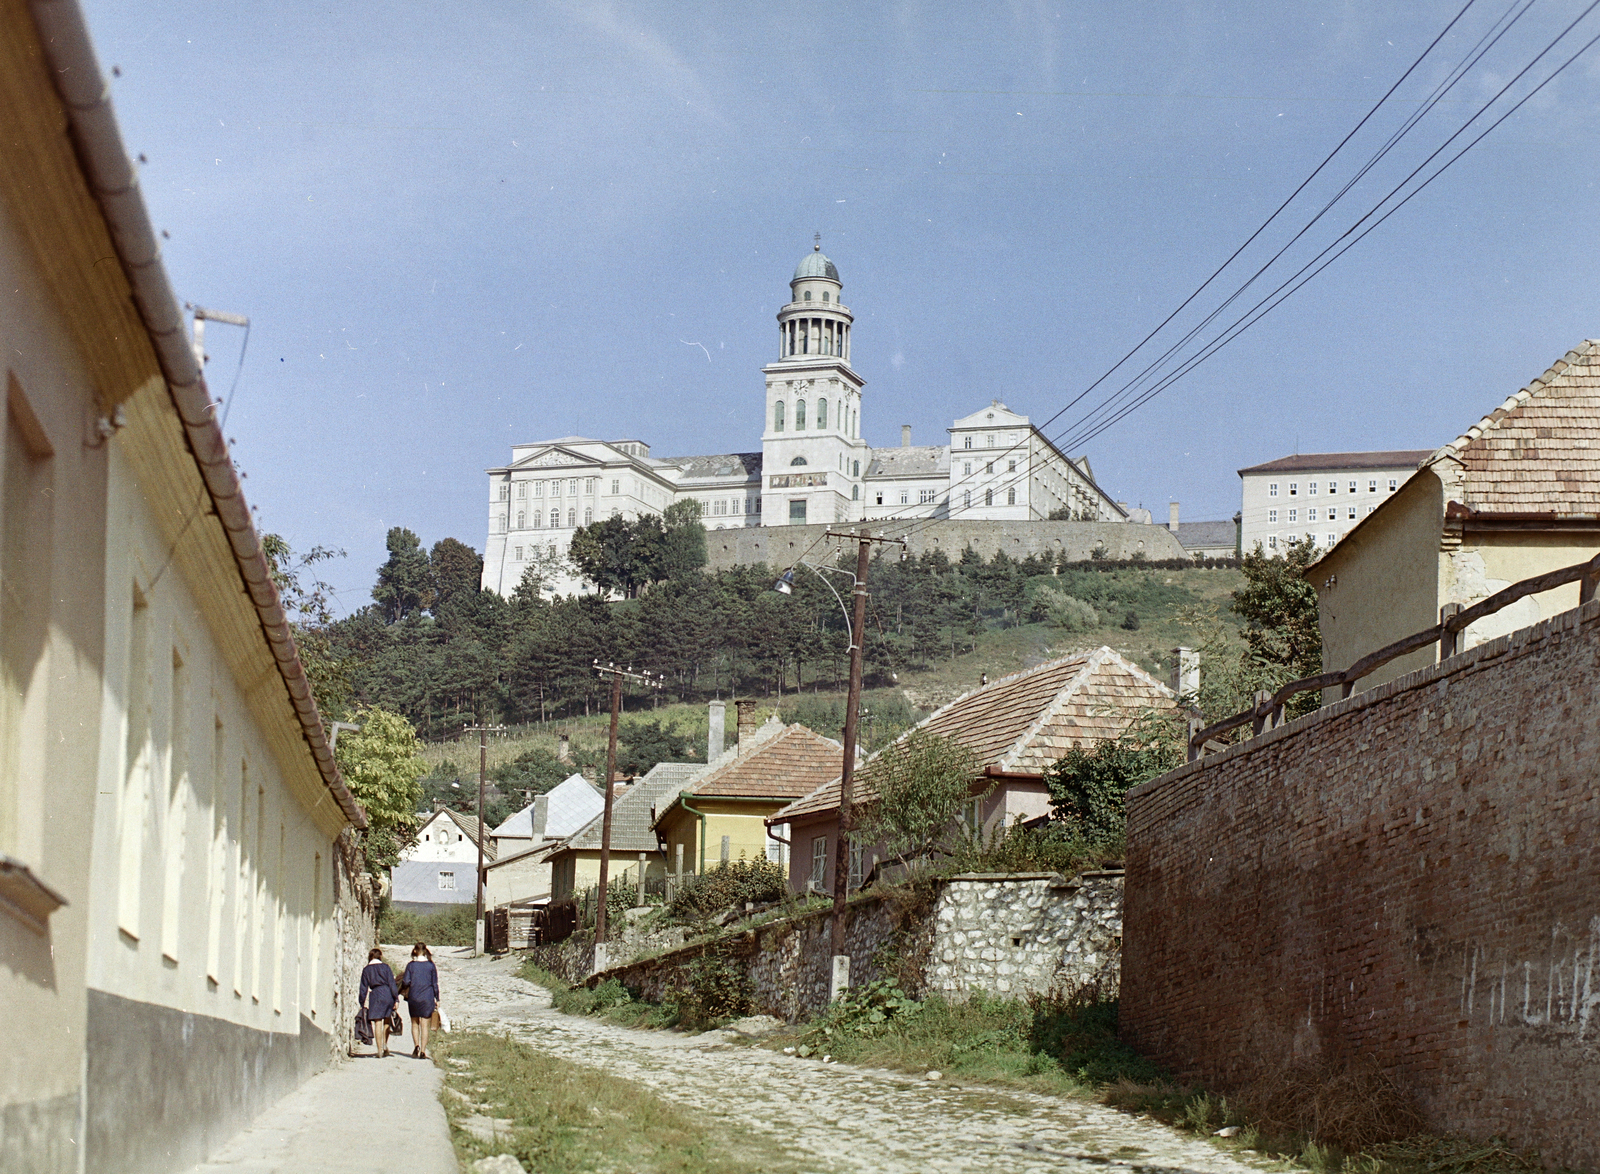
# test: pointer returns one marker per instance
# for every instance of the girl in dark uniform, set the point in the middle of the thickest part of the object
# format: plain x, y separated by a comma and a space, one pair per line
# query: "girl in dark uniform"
378, 997
421, 985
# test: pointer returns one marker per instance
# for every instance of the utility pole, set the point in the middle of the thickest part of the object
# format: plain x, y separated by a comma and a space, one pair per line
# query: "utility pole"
483, 733
858, 627
616, 673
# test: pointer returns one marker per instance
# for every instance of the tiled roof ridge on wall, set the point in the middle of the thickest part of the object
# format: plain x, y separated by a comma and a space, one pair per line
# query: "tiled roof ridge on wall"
1554, 374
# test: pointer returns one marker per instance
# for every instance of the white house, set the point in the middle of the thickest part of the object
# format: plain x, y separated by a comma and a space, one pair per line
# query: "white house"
178, 914
440, 869
1320, 496
557, 813
813, 466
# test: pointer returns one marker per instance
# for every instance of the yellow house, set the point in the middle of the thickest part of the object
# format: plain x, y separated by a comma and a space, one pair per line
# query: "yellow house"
722, 817
176, 922
574, 863
1514, 496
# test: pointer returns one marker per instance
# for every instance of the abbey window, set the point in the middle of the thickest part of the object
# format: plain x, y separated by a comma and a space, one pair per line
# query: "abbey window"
822, 413
799, 415
777, 416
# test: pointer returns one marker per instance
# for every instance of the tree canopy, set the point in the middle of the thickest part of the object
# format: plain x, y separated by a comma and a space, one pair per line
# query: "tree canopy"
623, 555
382, 763
921, 785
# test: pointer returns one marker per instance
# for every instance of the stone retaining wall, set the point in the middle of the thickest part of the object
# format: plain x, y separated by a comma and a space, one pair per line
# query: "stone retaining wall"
1002, 933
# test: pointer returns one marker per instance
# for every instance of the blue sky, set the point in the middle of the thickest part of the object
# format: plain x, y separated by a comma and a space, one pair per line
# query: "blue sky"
459, 227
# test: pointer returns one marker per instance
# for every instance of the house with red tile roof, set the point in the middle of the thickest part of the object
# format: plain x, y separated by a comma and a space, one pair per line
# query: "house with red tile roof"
1515, 495
723, 815
1016, 728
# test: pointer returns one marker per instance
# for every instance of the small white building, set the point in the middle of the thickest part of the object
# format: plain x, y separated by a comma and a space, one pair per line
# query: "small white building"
1320, 496
557, 813
440, 869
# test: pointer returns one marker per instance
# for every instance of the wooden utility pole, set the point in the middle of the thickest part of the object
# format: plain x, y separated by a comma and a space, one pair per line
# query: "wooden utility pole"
852, 718
483, 733
616, 673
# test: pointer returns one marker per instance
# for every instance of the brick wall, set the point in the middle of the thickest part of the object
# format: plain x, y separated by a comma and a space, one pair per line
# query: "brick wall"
1409, 878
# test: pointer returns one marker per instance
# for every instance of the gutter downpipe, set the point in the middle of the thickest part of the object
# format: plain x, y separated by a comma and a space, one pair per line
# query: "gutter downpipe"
64, 40
700, 864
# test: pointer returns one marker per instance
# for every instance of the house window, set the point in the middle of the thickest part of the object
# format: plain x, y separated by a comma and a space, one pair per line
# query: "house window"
616, 487
1294, 488
988, 441
1272, 489
572, 517
799, 415
966, 468
1372, 487
588, 485
588, 517
905, 496
1352, 487
1011, 497
1352, 513
1272, 542
447, 881
1331, 540
855, 468
1311, 489
988, 497
1393, 485
966, 442
1272, 517
522, 489
988, 466
1294, 516
857, 865
1011, 467
1370, 508
777, 850
972, 815
572, 487
880, 498
538, 489
555, 489
777, 416
1311, 514
966, 499
797, 512
517, 555
819, 863
505, 492
520, 519
555, 519
822, 413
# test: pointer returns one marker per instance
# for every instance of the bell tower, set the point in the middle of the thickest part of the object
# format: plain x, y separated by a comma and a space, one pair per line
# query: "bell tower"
813, 457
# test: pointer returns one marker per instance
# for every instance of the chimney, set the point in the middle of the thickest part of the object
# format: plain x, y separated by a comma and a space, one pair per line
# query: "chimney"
905, 436
1186, 671
563, 748
747, 721
1172, 517
719, 711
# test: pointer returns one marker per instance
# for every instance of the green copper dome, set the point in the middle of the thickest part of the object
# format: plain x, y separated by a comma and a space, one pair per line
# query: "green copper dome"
814, 264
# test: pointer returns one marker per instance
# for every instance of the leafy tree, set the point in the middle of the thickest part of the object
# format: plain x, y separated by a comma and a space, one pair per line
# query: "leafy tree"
306, 600
1279, 607
610, 553
1088, 788
683, 541
381, 764
920, 786
1066, 612
404, 581
536, 770
457, 571
645, 743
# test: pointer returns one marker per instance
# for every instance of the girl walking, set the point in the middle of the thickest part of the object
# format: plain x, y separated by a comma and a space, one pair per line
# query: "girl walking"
378, 997
420, 985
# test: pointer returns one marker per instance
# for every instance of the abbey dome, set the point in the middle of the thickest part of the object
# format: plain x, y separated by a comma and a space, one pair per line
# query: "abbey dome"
816, 264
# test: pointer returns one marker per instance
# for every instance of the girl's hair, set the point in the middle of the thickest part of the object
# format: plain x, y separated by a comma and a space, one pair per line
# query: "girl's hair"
375, 955
421, 948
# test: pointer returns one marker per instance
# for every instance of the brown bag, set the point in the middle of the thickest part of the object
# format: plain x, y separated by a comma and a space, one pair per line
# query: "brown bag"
397, 1026
433, 1020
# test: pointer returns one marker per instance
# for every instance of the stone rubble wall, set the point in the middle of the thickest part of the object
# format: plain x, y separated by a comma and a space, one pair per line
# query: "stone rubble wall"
1408, 878
1003, 934
355, 932
1019, 934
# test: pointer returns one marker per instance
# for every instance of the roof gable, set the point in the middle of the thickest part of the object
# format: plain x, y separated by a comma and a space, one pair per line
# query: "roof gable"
996, 415
632, 812
1020, 724
1539, 451
784, 767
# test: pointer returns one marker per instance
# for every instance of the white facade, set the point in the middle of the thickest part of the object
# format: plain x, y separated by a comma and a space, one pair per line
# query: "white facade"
442, 840
813, 466
1320, 496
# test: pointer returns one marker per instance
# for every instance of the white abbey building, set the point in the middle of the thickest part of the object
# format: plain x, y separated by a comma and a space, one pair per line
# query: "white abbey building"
813, 466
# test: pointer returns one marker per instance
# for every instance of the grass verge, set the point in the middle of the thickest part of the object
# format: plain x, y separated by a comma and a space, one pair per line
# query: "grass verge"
610, 1000
558, 1117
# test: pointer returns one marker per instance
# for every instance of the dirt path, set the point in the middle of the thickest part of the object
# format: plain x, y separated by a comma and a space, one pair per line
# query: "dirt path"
831, 1117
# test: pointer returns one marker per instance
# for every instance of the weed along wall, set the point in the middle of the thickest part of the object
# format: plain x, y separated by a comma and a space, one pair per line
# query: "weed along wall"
1409, 878
1010, 934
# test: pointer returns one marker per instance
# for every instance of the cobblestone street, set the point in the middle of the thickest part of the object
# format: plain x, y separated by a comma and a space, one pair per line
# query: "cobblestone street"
828, 1117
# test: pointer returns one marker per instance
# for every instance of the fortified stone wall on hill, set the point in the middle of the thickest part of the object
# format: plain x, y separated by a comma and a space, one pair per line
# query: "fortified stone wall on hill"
779, 546
1408, 878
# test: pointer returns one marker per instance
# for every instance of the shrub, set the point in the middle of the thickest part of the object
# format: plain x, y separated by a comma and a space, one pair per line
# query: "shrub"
1067, 612
728, 886
451, 928
719, 988
1131, 621
1081, 1035
864, 1011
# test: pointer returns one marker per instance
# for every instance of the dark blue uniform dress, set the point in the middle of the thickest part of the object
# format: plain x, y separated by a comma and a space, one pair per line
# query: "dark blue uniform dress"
422, 987
378, 990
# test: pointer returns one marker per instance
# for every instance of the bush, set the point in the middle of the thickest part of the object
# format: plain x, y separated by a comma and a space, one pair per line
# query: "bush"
1082, 1037
1055, 847
864, 1011
1067, 612
719, 989
452, 928
728, 886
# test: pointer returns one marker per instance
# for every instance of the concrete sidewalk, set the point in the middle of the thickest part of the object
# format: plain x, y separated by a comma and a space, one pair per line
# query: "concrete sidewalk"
367, 1116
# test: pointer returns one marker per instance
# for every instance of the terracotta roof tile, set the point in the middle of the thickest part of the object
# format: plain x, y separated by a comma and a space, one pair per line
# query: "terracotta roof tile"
1022, 723
788, 766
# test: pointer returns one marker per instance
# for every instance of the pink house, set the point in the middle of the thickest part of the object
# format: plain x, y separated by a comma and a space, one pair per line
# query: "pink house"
1017, 727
